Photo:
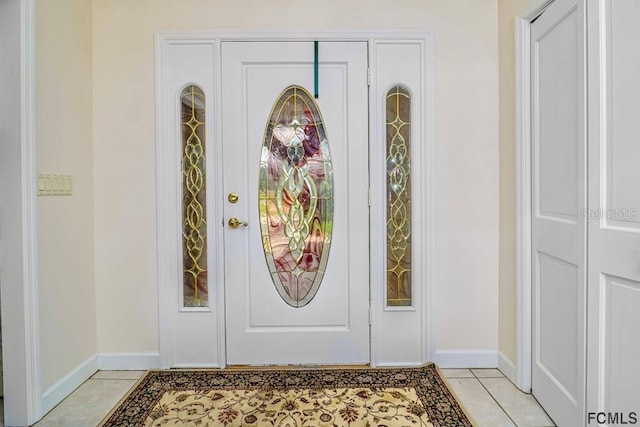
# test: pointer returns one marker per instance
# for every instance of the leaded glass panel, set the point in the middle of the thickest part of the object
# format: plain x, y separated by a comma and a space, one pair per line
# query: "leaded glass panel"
296, 196
194, 211
398, 123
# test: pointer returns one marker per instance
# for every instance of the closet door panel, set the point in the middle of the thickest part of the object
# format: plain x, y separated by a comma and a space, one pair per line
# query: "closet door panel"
614, 208
558, 201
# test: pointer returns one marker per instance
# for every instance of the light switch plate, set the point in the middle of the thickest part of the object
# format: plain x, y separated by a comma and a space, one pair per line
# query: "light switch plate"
54, 185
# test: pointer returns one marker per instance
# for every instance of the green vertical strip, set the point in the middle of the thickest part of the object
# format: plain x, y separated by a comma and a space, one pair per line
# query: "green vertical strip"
315, 69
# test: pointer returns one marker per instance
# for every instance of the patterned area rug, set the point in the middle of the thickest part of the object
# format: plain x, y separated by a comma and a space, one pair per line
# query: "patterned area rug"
290, 398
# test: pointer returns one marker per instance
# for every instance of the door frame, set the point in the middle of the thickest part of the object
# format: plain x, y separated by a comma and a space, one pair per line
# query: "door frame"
382, 319
524, 347
21, 361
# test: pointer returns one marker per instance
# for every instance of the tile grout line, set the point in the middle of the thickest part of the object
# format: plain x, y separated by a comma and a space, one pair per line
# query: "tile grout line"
493, 397
543, 410
529, 394
536, 400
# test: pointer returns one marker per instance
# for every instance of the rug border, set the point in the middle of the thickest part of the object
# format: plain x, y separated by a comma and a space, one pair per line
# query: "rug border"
126, 396
285, 368
446, 382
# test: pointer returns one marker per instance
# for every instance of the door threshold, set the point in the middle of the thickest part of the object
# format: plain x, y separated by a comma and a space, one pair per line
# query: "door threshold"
295, 367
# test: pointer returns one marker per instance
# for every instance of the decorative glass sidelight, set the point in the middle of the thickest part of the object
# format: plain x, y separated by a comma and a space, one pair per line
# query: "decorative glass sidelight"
296, 196
194, 214
398, 168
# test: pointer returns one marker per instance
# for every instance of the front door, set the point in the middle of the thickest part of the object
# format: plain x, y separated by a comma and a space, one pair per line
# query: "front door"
296, 214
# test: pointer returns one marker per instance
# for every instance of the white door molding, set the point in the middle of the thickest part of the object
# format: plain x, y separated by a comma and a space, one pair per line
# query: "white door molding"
18, 266
167, 214
524, 17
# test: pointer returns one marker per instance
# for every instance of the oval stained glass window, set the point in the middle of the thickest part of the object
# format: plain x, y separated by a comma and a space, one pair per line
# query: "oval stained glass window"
296, 196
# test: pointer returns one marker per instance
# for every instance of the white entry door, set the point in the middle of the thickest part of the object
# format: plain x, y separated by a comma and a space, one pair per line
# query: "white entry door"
558, 203
614, 214
282, 308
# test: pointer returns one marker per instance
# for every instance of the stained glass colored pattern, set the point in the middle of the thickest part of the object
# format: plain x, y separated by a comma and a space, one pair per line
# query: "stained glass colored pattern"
398, 122
296, 196
194, 214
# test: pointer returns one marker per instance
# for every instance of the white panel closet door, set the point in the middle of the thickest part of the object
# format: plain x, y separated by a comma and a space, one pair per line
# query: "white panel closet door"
261, 327
559, 199
614, 209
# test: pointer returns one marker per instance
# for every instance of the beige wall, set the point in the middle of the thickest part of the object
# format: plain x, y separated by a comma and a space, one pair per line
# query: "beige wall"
64, 131
467, 149
507, 301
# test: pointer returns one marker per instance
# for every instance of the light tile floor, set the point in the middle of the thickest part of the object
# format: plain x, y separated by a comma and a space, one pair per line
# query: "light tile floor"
490, 398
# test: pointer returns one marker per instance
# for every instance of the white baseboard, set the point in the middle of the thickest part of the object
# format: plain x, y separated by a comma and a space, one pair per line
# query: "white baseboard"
128, 361
57, 392
507, 367
466, 358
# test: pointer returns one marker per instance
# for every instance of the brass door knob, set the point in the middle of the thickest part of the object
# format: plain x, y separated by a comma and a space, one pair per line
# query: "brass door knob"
235, 223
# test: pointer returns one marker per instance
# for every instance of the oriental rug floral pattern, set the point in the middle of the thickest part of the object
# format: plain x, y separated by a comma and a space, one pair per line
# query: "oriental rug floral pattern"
290, 398
327, 407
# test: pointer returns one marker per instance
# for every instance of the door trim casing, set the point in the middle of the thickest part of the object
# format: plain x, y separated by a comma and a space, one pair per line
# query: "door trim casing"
169, 267
21, 363
523, 20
